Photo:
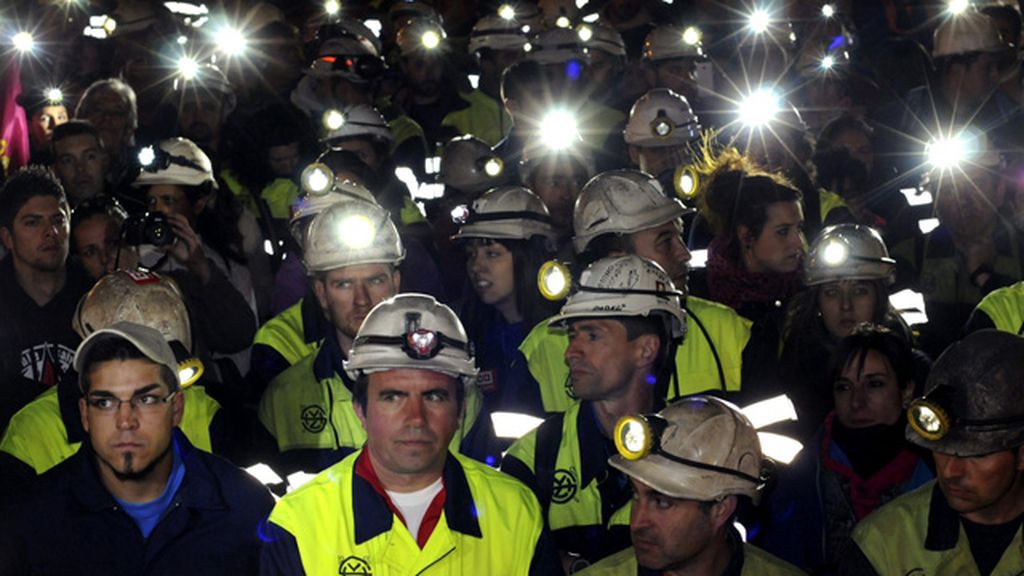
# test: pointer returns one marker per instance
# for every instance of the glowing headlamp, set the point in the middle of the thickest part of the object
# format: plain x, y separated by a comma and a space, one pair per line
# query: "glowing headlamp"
54, 96
691, 36
759, 107
147, 156
507, 12
317, 179
585, 32
956, 7
332, 7
661, 126
634, 437
190, 371
230, 41
946, 153
687, 182
827, 63
758, 21
356, 231
835, 253
559, 130
430, 39
333, 119
828, 10
493, 166
23, 42
460, 214
928, 419
554, 280
563, 22
188, 68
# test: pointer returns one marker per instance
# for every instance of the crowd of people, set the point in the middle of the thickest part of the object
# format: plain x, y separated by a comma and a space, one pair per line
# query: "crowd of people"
538, 287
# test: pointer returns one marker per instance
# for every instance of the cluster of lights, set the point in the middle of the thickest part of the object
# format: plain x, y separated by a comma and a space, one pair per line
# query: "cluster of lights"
507, 12
759, 107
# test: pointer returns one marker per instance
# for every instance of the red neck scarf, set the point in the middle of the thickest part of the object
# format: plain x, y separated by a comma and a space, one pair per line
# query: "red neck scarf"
734, 286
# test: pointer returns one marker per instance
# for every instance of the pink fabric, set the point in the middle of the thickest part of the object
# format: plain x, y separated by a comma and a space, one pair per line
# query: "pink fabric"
14, 145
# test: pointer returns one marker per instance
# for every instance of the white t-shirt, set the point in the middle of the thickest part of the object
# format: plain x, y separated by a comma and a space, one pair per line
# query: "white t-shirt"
413, 505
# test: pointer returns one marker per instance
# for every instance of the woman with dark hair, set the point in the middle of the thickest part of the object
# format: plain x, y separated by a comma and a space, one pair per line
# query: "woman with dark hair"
859, 459
507, 237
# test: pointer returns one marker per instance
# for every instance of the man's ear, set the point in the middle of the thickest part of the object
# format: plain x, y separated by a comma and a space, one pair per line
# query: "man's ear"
647, 346
320, 289
177, 407
722, 511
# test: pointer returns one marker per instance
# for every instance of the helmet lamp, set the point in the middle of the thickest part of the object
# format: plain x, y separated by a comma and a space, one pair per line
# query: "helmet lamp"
333, 119
634, 437
554, 280
317, 179
189, 371
691, 36
928, 419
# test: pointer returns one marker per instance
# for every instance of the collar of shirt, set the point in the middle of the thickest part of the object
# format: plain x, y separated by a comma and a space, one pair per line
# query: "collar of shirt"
330, 362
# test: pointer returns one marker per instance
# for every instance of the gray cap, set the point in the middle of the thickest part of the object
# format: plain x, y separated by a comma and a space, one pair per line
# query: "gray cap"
149, 341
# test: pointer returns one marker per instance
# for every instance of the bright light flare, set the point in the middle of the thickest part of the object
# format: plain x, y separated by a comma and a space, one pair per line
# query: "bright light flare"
691, 36
507, 12
958, 6
54, 95
430, 39
230, 41
332, 7
946, 153
758, 21
188, 68
585, 33
333, 119
562, 22
759, 107
356, 231
559, 129
827, 63
828, 10
146, 156
493, 167
23, 42
835, 253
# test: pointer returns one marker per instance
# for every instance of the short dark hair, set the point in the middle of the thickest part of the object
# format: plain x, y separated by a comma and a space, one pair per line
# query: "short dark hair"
869, 337
101, 205
27, 183
362, 384
115, 348
524, 79
74, 128
603, 245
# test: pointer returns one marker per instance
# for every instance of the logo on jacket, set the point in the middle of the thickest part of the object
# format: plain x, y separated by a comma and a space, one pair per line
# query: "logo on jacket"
563, 486
313, 419
354, 566
46, 363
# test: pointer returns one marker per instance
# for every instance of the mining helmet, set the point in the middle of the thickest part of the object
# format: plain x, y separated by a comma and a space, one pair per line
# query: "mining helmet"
359, 121
508, 213
661, 118
468, 164
966, 33
669, 42
174, 161
497, 33
350, 234
848, 252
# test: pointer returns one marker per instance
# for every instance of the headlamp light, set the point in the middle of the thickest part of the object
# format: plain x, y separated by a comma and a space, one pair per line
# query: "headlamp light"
956, 7
946, 153
828, 10
430, 39
584, 32
23, 42
493, 167
691, 36
759, 107
460, 214
827, 63
54, 96
188, 68
333, 120
190, 371
230, 41
147, 156
687, 182
554, 280
317, 179
332, 7
634, 437
835, 253
356, 231
758, 21
559, 129
562, 22
507, 12
661, 126
928, 419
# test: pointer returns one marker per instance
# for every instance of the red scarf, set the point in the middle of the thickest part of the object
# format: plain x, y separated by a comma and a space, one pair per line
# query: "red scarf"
364, 469
733, 286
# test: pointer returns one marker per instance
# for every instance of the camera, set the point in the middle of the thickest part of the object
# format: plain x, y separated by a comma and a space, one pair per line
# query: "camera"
149, 228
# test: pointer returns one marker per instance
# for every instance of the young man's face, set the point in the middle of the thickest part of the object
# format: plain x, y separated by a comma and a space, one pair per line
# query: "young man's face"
172, 199
38, 237
81, 165
348, 294
668, 533
129, 441
44, 121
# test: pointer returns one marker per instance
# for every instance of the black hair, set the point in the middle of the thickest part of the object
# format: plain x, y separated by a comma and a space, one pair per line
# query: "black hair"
27, 183
362, 384
116, 348
101, 205
865, 338
74, 128
602, 246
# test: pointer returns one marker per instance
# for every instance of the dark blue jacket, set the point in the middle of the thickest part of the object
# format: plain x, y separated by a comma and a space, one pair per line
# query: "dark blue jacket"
70, 524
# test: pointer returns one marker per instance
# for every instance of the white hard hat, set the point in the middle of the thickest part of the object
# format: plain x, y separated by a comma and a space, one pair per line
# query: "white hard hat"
848, 252
509, 213
557, 46
209, 78
965, 33
174, 161
625, 286
497, 33
668, 42
350, 234
421, 34
360, 121
598, 36
137, 296
470, 165
697, 448
312, 203
621, 202
412, 331
661, 118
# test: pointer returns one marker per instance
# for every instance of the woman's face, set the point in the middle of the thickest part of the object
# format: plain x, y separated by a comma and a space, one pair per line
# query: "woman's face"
780, 247
96, 243
871, 395
845, 304
492, 275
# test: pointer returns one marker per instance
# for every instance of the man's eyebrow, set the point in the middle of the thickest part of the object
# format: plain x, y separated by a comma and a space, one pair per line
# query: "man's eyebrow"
139, 392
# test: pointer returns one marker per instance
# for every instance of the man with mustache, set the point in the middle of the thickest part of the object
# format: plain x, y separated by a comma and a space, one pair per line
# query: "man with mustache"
690, 465
404, 503
138, 497
968, 521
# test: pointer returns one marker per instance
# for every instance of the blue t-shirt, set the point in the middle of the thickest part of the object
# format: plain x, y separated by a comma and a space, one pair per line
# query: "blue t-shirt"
148, 514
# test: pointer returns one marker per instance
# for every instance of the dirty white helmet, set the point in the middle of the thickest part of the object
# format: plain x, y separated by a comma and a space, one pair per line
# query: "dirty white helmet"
468, 164
412, 331
557, 46
698, 448
421, 35
350, 234
625, 286
669, 42
598, 36
360, 121
137, 296
621, 202
509, 213
661, 118
174, 161
314, 202
848, 252
965, 33
208, 78
497, 33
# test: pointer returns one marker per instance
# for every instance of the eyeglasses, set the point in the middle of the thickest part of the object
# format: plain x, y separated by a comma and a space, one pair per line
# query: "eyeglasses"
143, 403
